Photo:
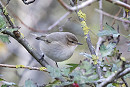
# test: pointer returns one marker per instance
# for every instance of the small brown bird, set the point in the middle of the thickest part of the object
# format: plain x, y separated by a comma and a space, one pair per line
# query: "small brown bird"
58, 46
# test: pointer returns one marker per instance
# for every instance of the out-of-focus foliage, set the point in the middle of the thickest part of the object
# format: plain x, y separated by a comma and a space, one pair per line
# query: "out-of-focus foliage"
29, 83
108, 30
84, 73
4, 27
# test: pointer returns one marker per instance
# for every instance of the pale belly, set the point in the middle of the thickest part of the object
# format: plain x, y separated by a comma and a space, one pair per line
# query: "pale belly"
57, 52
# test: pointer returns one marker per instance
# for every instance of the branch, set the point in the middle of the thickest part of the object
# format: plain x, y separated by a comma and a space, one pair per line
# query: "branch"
100, 39
110, 78
117, 18
23, 67
117, 2
90, 46
82, 5
58, 21
17, 36
124, 81
120, 73
126, 71
113, 22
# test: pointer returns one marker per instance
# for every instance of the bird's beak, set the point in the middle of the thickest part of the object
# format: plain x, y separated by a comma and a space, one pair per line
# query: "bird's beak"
79, 43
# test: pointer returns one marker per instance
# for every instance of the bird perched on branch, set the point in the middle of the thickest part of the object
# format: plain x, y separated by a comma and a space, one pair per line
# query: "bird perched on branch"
58, 46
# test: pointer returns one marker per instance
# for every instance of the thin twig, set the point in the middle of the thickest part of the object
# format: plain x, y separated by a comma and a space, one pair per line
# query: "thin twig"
124, 81
120, 73
100, 39
59, 20
117, 18
22, 67
113, 22
101, 15
126, 71
25, 25
82, 5
39, 30
118, 2
110, 78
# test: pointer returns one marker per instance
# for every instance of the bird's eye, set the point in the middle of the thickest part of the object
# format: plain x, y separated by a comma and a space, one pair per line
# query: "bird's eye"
72, 41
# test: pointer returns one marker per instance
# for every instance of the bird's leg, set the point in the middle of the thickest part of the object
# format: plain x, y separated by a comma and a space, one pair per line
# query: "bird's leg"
56, 64
42, 59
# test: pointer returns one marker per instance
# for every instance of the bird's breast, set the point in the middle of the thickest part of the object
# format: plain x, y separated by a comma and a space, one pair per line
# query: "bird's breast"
57, 51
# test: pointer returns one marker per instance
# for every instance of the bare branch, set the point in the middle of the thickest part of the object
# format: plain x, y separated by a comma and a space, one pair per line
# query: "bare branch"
82, 5
58, 21
110, 78
23, 67
120, 73
113, 22
101, 15
118, 2
126, 71
119, 19
100, 39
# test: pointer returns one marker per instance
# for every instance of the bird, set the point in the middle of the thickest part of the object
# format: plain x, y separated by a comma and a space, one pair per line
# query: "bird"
58, 46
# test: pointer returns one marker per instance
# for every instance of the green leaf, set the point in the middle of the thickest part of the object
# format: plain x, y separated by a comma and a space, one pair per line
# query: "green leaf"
116, 84
29, 83
106, 50
114, 68
2, 22
54, 83
65, 71
92, 77
108, 30
86, 65
108, 73
54, 72
5, 85
127, 75
73, 66
1, 79
86, 55
4, 38
110, 85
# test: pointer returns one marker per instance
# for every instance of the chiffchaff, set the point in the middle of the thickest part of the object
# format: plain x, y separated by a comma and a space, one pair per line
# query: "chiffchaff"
58, 46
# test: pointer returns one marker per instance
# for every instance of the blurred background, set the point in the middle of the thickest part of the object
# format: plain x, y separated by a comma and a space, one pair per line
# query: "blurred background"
40, 15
